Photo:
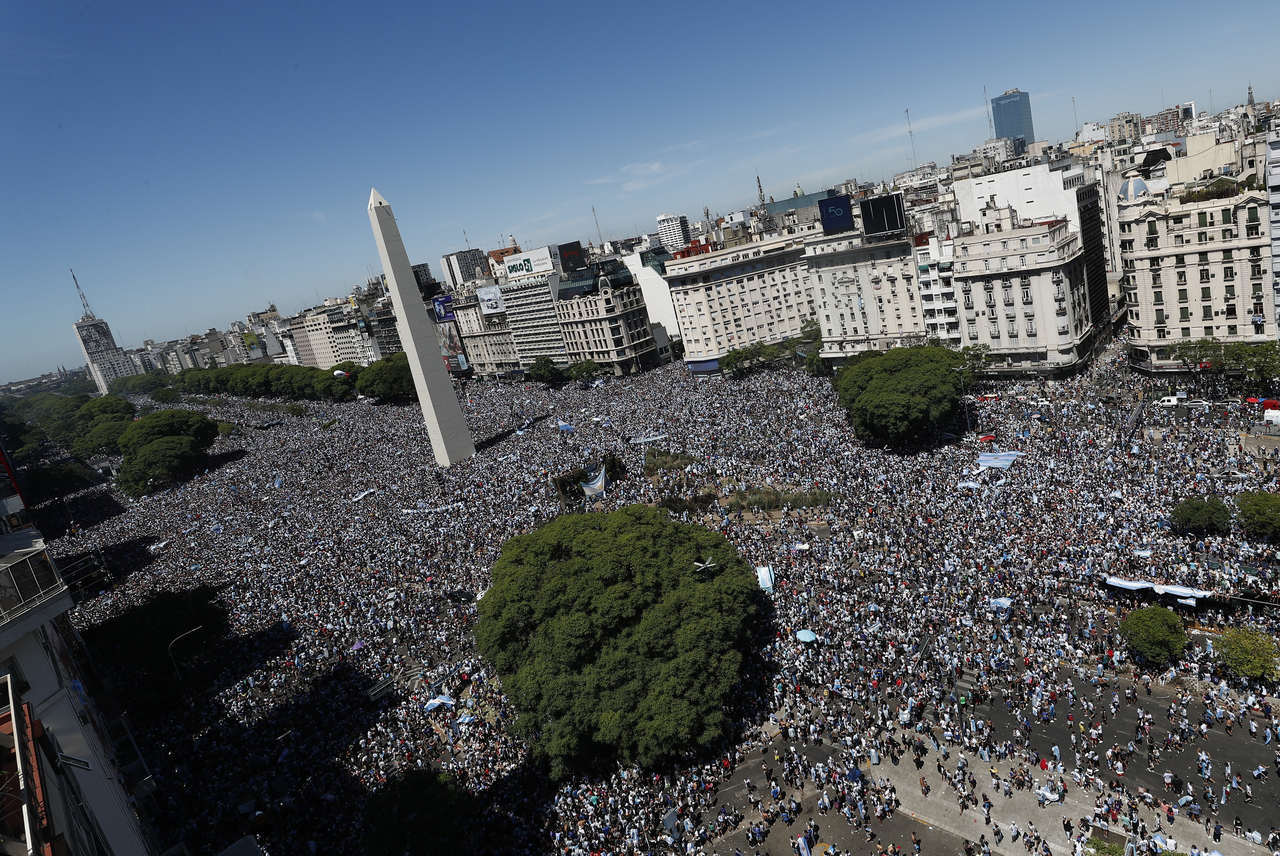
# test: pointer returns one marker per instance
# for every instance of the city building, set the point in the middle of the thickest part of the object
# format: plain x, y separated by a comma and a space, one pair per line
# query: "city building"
734, 297
1273, 197
457, 268
1197, 260
865, 293
1011, 113
602, 318
482, 323
497, 257
105, 359
1125, 126
935, 261
673, 231
1024, 291
648, 268
327, 335
62, 789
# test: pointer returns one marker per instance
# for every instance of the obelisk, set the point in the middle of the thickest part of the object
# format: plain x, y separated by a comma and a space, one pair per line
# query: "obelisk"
450, 440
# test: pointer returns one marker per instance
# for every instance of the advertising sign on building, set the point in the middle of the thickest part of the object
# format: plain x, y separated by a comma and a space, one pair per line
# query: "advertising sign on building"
883, 214
490, 297
532, 263
572, 257
836, 213
451, 350
442, 306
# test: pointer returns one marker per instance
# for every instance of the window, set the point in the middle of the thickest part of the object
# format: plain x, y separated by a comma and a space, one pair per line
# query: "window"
1204, 274
1182, 277
1255, 271
1202, 237
1204, 293
1126, 246
1157, 297
1186, 332
1155, 277
1252, 214
1228, 273
1151, 227
1231, 329
1206, 313
1226, 216
1231, 310
1203, 219
1226, 255
1182, 295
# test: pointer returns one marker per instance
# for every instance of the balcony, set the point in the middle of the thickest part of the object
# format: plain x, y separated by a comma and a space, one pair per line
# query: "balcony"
1062, 310
1063, 329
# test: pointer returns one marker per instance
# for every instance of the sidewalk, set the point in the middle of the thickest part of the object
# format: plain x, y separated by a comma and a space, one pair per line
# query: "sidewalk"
939, 809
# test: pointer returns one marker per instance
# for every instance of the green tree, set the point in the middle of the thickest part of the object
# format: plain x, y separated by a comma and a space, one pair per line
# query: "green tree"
621, 637
1154, 632
1249, 653
903, 396
165, 395
102, 439
1260, 515
544, 370
585, 371
107, 407
159, 464
388, 380
1201, 516
197, 427
142, 384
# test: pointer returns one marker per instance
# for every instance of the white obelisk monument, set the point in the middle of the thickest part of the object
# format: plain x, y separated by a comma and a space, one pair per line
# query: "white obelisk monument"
450, 440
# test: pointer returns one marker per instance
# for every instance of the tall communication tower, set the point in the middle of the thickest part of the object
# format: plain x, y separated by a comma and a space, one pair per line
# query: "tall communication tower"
914, 162
84, 301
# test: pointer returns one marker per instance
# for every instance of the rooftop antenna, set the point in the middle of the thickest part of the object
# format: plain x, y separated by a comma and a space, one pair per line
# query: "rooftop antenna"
465, 238
1074, 114
84, 301
759, 191
599, 234
914, 162
986, 104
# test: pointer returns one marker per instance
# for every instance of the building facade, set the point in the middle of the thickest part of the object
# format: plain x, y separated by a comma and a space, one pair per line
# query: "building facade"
63, 789
1023, 292
491, 349
603, 319
1273, 198
1195, 270
734, 297
865, 294
105, 359
1011, 113
457, 268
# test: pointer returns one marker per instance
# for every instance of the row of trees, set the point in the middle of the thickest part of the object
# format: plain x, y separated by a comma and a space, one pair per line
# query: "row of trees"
1258, 514
1217, 362
545, 370
1156, 634
739, 362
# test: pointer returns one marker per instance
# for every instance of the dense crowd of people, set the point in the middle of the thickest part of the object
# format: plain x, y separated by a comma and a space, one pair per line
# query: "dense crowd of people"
346, 558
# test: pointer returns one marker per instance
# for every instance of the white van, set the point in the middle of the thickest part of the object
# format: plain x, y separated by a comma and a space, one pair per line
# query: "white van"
1169, 401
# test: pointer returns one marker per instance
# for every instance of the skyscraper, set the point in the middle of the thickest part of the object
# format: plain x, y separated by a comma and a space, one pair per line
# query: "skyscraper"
106, 361
457, 268
673, 231
1011, 113
450, 438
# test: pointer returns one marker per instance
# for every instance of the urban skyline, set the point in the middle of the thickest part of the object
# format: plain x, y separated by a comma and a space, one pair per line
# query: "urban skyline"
231, 256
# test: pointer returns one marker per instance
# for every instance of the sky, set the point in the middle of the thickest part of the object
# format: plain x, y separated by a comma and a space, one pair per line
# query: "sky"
195, 162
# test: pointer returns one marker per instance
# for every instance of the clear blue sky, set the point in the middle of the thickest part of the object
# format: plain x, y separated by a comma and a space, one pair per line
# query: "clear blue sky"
194, 162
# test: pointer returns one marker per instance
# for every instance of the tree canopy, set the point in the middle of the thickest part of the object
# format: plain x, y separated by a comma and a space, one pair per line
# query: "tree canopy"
1249, 653
544, 370
388, 381
1260, 515
169, 423
161, 463
1155, 633
902, 397
1201, 516
266, 380
620, 636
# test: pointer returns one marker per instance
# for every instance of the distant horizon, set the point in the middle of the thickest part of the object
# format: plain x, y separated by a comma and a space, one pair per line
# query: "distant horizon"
194, 168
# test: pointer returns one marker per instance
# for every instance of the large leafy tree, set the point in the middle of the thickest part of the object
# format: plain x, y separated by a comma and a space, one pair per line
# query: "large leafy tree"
1260, 515
200, 429
161, 463
1201, 516
1155, 633
544, 370
388, 380
903, 396
620, 636
1249, 653
102, 439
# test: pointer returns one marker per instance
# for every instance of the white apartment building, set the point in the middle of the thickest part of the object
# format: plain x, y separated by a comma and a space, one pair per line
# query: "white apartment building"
328, 335
647, 267
935, 261
106, 360
1023, 292
673, 231
531, 317
1195, 270
1273, 198
865, 293
604, 320
731, 298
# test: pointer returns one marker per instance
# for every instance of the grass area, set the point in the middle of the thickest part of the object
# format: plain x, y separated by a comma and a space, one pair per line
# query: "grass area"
1104, 848
658, 460
770, 498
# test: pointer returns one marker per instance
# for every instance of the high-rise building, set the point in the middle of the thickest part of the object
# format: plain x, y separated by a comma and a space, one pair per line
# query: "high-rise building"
457, 268
1011, 113
63, 788
602, 316
1273, 196
446, 426
673, 231
106, 360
